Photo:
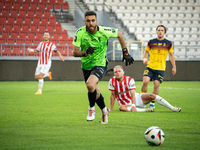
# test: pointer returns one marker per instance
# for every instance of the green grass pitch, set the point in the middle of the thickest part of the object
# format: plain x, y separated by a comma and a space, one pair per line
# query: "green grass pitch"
57, 118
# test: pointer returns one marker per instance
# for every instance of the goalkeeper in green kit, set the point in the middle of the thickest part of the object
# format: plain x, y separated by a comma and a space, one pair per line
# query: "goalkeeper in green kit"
90, 43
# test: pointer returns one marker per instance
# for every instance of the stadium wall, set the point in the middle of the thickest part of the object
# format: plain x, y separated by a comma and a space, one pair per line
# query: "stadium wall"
24, 70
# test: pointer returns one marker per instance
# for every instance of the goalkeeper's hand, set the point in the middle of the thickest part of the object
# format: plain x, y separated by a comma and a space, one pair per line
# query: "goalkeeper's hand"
90, 50
127, 57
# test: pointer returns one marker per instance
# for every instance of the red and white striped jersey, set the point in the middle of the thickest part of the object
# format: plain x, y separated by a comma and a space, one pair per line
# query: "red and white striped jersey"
45, 50
122, 89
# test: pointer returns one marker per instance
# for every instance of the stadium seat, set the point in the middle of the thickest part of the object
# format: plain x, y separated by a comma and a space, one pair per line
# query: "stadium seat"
33, 28
20, 41
7, 27
14, 35
19, 20
23, 35
16, 5
5, 35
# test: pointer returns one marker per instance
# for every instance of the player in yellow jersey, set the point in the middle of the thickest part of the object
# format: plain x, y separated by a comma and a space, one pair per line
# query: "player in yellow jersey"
159, 48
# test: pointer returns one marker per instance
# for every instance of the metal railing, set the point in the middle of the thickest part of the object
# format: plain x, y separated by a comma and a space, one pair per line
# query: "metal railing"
18, 51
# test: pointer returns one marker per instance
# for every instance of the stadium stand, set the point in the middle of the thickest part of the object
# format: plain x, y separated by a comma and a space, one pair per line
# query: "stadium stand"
22, 23
140, 17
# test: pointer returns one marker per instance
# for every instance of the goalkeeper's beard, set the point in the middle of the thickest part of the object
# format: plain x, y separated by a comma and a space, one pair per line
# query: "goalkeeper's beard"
94, 30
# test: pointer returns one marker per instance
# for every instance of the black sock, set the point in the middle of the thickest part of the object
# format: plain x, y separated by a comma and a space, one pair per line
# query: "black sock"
100, 102
92, 98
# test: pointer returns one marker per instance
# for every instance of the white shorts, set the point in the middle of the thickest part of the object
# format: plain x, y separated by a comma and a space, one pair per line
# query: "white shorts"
138, 100
42, 68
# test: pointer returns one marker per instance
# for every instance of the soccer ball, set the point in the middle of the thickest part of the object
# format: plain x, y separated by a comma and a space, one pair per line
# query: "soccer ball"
154, 136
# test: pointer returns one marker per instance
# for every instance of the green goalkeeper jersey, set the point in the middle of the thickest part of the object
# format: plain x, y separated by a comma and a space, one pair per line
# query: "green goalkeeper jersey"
99, 40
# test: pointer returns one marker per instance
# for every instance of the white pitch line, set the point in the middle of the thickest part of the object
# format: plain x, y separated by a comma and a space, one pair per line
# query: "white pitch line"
171, 88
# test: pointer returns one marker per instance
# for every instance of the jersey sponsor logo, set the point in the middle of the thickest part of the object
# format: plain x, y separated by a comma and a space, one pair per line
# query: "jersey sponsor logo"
159, 43
107, 29
122, 92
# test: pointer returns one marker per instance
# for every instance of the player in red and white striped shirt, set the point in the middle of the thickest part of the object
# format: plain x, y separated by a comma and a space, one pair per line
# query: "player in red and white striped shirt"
45, 49
123, 91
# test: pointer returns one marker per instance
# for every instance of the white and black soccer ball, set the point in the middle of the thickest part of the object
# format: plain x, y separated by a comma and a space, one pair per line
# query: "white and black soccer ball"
154, 136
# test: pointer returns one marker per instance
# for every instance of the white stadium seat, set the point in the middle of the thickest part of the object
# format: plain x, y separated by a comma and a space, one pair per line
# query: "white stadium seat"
181, 17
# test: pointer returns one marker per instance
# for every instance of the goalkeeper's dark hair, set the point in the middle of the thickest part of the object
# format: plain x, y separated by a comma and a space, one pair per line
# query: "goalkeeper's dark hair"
163, 27
90, 13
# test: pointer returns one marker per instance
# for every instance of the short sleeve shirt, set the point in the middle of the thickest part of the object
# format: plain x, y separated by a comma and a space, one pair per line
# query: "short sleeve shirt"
84, 39
158, 53
45, 50
122, 89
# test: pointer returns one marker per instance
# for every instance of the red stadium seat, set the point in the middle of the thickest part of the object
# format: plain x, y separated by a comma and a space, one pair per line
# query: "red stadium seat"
23, 35
33, 6
26, 6
42, 28
46, 14
49, 6
28, 41
56, 35
65, 6
7, 27
58, 28
40, 6
25, 28
33, 28
7, 5
10, 20
19, 20
57, 7
16, 5
6, 51
5, 35
31, 35
44, 21
30, 13
10, 41
14, 13
2, 40
28, 20
62, 42
36, 20
14, 35
37, 41
2, 19
50, 28
64, 35
20, 41
38, 13
22, 13
52, 21
39, 35
17, 51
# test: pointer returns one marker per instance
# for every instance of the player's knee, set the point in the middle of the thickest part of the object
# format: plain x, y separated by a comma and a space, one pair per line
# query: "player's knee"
90, 86
145, 83
152, 96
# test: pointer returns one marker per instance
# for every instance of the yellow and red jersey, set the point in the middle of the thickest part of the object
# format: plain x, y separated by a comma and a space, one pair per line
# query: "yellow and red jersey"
158, 53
